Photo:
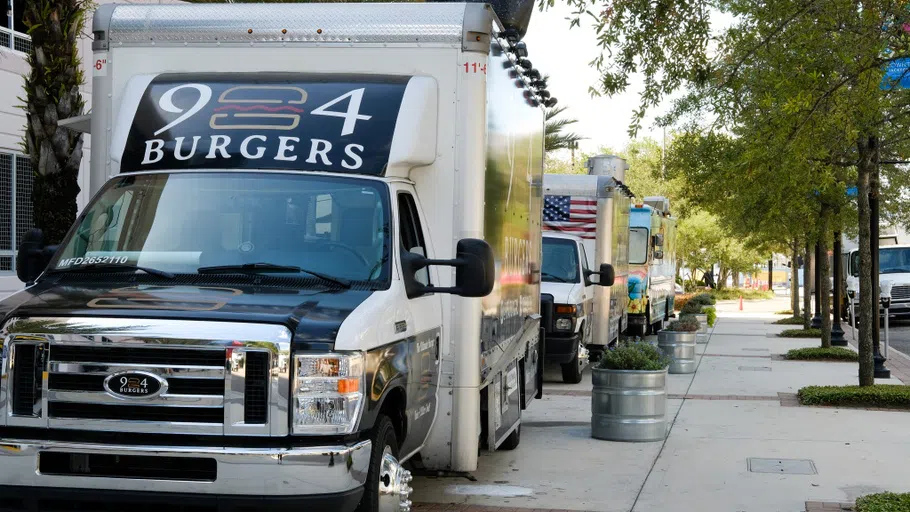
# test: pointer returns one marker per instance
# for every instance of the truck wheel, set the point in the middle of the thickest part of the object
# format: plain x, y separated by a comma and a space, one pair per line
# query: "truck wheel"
512, 441
571, 371
386, 488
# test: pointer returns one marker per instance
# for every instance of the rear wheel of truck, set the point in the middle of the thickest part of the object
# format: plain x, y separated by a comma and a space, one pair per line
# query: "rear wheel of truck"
386, 488
571, 371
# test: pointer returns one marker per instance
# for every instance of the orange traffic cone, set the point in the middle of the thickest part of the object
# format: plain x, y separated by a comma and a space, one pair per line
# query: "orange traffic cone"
740, 302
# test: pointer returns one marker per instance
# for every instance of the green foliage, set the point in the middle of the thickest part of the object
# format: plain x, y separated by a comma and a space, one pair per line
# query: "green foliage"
554, 136
883, 502
784, 312
705, 299
640, 356
822, 354
801, 333
686, 323
745, 293
890, 396
712, 314
691, 308
793, 320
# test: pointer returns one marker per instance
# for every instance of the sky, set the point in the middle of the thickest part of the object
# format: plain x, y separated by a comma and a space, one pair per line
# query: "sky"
565, 54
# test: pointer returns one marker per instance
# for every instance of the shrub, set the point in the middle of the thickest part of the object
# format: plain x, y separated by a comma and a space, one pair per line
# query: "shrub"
784, 312
793, 320
686, 323
634, 356
705, 299
883, 502
889, 396
712, 315
735, 293
691, 308
681, 301
822, 354
801, 333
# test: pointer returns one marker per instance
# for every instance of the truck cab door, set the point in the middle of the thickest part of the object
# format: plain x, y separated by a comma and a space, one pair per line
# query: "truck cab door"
424, 332
587, 294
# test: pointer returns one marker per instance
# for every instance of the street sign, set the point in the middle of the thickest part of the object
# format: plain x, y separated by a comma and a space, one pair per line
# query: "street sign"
852, 191
897, 75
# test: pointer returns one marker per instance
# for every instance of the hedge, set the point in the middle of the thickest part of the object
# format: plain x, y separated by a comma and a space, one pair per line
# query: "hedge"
822, 354
884, 502
793, 320
801, 333
886, 396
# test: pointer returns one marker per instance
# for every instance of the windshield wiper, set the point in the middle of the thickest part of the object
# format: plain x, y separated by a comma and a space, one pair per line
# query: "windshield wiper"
551, 276
118, 266
271, 267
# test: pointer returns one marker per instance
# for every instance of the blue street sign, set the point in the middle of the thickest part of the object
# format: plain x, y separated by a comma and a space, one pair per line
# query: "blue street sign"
852, 191
897, 75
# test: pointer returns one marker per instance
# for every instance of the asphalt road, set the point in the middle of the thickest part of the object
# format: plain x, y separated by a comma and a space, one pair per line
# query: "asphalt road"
899, 334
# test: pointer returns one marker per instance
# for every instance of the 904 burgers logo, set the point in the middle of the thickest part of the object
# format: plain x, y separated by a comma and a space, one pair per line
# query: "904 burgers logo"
301, 122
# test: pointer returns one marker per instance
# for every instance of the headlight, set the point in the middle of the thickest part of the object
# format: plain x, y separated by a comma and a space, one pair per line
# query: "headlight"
564, 324
329, 393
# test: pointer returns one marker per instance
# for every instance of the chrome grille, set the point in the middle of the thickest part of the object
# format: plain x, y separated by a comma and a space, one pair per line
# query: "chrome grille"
215, 378
901, 292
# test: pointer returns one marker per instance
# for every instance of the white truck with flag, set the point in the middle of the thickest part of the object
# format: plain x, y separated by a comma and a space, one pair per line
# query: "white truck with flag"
312, 256
586, 230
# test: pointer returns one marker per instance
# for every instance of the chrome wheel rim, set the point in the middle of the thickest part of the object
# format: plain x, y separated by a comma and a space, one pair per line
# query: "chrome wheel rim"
394, 490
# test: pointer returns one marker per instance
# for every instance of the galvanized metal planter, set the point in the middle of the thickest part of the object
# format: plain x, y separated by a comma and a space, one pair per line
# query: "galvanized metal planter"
702, 323
629, 405
680, 346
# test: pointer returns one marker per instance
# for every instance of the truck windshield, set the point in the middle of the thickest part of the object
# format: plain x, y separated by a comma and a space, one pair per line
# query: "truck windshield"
890, 261
638, 246
336, 226
560, 261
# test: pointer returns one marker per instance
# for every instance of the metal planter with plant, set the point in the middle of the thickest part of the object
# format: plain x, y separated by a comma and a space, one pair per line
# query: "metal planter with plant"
695, 308
677, 342
629, 400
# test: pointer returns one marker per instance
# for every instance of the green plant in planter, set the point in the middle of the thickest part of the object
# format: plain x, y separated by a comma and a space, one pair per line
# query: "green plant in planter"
712, 315
640, 356
691, 308
686, 323
705, 299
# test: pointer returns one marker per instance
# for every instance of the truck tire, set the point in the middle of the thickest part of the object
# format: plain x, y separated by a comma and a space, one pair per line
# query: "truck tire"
386, 478
512, 441
571, 371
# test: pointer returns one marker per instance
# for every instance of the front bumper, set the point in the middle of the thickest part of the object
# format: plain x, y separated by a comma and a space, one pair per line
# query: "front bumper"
317, 478
637, 319
560, 350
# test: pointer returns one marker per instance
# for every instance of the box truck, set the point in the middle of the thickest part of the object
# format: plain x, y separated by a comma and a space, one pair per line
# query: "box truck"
652, 265
315, 258
586, 230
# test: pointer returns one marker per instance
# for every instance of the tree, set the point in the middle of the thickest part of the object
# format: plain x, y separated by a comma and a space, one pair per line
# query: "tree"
555, 138
52, 94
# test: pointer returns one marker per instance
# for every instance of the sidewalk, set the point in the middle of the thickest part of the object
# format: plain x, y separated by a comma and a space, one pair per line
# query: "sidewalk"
737, 409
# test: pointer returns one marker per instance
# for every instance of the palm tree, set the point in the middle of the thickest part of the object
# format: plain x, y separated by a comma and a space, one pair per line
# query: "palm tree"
52, 94
553, 130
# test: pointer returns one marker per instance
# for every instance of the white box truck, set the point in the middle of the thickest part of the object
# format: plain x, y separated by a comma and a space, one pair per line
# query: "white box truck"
315, 256
586, 232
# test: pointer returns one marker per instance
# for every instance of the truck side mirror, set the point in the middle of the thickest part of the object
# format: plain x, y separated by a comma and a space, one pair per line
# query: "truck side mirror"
475, 271
607, 275
658, 240
658, 254
33, 256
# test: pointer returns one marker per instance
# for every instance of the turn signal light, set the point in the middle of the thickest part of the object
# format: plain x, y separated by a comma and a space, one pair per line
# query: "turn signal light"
565, 310
348, 385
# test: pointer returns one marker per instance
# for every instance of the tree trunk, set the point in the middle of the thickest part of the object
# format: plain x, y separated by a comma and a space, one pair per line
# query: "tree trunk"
825, 274
807, 283
54, 201
721, 277
868, 307
794, 280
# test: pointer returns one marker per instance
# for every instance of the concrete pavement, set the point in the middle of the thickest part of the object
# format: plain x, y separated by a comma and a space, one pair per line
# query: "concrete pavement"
725, 419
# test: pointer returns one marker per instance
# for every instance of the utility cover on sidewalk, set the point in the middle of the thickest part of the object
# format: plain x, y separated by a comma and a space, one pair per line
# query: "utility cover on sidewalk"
755, 368
782, 466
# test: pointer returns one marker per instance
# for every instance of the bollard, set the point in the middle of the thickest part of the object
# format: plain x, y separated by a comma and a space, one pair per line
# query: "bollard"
740, 302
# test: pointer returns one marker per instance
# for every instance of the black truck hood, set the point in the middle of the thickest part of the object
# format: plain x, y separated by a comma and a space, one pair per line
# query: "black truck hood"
311, 311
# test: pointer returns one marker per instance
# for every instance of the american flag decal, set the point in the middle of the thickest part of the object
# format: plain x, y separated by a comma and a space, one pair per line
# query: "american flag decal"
570, 215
